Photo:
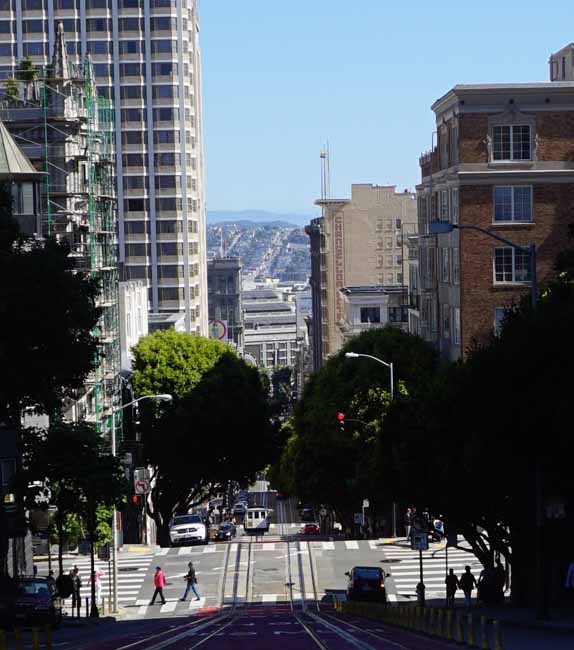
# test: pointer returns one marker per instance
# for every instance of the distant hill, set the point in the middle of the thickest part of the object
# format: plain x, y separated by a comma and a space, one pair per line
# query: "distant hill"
258, 216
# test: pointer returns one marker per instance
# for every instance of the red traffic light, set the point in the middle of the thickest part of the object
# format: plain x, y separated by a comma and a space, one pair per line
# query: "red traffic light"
135, 498
341, 417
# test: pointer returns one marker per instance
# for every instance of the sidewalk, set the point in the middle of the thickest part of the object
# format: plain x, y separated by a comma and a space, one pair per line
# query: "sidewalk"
560, 619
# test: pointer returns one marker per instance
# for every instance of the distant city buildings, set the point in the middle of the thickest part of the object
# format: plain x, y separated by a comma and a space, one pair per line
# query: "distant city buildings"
503, 164
358, 242
270, 336
224, 300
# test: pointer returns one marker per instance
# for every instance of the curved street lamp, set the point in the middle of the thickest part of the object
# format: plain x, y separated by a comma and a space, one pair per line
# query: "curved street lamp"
389, 365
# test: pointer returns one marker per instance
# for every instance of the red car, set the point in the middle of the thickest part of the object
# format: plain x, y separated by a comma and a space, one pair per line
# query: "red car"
311, 529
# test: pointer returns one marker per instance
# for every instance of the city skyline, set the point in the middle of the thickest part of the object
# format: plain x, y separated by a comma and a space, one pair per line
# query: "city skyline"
267, 117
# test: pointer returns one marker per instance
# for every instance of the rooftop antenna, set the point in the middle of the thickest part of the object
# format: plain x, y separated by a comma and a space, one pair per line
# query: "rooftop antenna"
221, 245
325, 173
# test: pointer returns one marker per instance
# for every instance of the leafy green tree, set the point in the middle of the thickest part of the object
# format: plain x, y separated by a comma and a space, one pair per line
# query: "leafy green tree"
217, 428
47, 315
71, 460
472, 444
334, 466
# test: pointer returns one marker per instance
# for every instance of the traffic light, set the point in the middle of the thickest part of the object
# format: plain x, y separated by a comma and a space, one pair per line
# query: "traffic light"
341, 418
135, 499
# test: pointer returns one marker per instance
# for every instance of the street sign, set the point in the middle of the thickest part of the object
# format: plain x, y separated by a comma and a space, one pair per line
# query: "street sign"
365, 503
420, 541
141, 486
218, 330
359, 518
141, 473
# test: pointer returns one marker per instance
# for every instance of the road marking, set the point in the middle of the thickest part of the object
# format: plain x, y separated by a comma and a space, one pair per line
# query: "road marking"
352, 545
142, 610
185, 550
374, 545
328, 546
196, 604
168, 607
210, 549
269, 598
163, 551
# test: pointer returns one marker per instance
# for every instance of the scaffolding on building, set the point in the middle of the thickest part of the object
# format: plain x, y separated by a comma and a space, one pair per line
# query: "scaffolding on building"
67, 131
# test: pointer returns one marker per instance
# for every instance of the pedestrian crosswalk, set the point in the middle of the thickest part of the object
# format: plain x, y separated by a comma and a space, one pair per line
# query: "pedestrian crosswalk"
132, 571
404, 567
171, 606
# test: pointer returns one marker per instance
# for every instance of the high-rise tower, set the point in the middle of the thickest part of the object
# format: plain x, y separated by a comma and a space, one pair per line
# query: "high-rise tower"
146, 59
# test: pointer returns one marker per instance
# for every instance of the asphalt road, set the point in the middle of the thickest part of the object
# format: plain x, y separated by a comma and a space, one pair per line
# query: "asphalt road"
269, 592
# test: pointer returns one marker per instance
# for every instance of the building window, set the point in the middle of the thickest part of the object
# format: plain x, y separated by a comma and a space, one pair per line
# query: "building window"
455, 265
370, 314
164, 47
166, 137
454, 205
165, 92
164, 159
511, 265
131, 69
33, 26
132, 47
131, 24
166, 69
444, 205
167, 114
456, 325
446, 322
99, 24
131, 92
35, 49
445, 264
132, 137
513, 203
511, 142
132, 115
98, 47
133, 160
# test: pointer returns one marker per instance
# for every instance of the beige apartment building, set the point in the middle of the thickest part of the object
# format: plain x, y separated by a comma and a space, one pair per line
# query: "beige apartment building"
357, 242
146, 59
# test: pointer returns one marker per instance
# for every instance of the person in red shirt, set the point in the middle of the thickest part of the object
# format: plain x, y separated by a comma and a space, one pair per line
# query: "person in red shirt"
159, 582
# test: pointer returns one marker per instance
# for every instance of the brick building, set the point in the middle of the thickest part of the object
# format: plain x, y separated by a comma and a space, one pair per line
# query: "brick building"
357, 242
504, 161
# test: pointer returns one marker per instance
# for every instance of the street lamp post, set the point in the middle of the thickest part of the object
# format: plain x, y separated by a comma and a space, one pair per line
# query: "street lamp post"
164, 397
389, 365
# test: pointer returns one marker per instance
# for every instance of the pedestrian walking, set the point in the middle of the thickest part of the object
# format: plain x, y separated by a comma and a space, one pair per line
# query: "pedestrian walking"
76, 589
97, 579
452, 584
159, 582
467, 582
408, 522
191, 579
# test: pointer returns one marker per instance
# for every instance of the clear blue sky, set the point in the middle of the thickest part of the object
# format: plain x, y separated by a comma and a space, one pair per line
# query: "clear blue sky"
280, 77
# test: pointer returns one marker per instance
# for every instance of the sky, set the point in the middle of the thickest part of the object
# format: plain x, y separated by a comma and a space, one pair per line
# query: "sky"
283, 77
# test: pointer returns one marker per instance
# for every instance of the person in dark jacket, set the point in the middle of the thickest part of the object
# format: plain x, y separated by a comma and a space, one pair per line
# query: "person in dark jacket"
191, 579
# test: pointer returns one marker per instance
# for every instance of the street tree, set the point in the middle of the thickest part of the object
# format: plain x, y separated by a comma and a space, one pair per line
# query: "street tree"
217, 428
71, 464
333, 464
47, 316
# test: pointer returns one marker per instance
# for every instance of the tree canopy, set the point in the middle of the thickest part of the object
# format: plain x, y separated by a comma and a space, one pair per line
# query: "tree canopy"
71, 463
334, 465
217, 428
47, 315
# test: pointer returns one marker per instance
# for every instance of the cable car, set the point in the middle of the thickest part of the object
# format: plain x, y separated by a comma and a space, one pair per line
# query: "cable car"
256, 521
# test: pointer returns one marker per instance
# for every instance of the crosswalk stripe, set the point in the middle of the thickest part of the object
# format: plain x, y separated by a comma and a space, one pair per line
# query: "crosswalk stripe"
163, 551
196, 604
269, 598
352, 545
168, 607
185, 550
328, 546
210, 549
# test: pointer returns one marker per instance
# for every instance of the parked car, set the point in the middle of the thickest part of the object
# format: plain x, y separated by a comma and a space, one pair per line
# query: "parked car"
367, 583
311, 529
225, 532
29, 600
188, 528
